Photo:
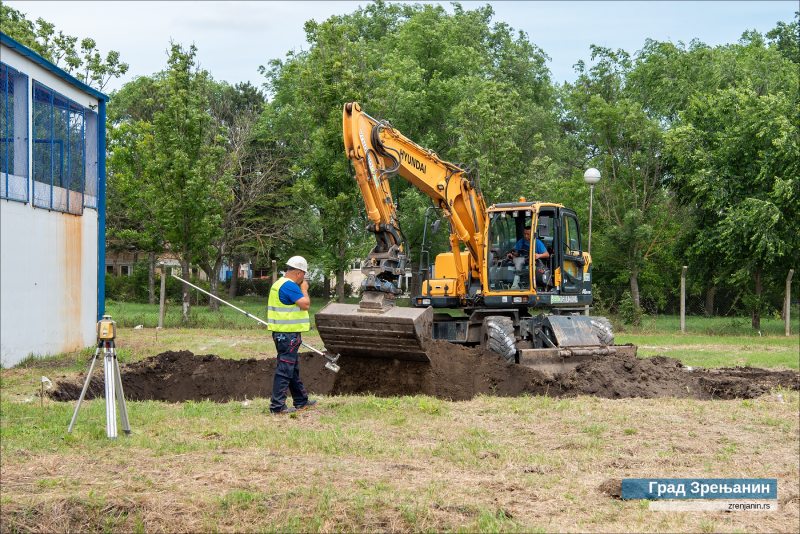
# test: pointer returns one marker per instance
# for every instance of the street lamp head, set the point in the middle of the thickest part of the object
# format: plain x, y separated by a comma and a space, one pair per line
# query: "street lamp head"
591, 176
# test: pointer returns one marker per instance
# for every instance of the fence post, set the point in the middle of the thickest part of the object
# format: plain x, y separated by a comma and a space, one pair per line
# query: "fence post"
683, 299
163, 297
274, 272
787, 304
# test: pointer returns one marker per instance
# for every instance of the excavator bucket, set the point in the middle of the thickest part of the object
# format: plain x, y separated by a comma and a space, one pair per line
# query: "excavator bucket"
395, 333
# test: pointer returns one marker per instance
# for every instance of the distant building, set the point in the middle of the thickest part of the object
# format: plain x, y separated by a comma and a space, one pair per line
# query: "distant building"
52, 206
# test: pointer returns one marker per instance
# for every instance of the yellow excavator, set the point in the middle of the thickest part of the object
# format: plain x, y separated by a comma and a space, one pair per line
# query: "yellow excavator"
490, 289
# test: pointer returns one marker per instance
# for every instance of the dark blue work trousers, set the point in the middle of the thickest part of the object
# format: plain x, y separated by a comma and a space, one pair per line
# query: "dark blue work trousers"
287, 372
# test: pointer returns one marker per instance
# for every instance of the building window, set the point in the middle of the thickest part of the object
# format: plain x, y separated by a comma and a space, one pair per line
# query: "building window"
124, 270
109, 269
13, 134
90, 189
59, 151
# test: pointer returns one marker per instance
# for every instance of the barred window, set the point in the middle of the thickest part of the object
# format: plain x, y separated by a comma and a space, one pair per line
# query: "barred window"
90, 186
59, 151
13, 134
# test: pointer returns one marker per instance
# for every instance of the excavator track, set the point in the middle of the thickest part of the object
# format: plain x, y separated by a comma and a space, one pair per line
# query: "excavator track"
395, 333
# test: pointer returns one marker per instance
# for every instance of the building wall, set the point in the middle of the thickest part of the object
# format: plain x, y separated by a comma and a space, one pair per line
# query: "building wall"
48, 281
48, 259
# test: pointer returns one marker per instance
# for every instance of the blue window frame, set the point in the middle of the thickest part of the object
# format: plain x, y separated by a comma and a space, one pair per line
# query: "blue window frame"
59, 151
13, 134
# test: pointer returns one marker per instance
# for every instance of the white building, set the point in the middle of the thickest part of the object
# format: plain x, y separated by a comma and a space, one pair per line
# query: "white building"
52, 206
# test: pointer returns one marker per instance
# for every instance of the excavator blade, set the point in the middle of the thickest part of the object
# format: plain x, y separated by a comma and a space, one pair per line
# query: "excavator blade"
395, 333
578, 339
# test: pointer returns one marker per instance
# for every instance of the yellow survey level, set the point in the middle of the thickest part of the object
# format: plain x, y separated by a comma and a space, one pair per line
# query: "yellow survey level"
106, 328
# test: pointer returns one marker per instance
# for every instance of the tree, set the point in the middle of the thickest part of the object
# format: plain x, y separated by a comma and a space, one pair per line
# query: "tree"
131, 221
80, 58
189, 186
256, 214
635, 214
468, 89
736, 160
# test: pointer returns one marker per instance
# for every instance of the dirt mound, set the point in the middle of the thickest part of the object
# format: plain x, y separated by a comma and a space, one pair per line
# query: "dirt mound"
455, 373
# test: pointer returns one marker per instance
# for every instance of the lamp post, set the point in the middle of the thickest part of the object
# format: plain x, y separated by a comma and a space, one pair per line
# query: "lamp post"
591, 177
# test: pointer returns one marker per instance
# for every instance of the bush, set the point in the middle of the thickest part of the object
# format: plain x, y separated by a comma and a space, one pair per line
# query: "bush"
255, 286
133, 288
317, 289
120, 288
628, 311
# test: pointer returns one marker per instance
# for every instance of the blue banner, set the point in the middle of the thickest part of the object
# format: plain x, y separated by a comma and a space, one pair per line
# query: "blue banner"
699, 488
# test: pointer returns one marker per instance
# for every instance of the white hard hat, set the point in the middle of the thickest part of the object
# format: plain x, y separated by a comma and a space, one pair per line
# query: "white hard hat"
298, 262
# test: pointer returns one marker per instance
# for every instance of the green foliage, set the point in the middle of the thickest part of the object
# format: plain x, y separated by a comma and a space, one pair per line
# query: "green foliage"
255, 286
79, 57
134, 288
735, 155
697, 146
635, 219
629, 312
472, 90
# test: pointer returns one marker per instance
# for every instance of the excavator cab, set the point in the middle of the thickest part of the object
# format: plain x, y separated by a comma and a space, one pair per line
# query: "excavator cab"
508, 259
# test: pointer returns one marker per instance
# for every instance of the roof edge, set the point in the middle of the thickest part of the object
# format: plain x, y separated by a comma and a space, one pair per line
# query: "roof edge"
47, 65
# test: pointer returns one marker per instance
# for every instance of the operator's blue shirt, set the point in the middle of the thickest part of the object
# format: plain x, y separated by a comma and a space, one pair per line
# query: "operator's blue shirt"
523, 246
290, 292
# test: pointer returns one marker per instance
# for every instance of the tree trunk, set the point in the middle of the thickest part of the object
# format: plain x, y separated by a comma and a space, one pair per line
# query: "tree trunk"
635, 289
151, 278
341, 250
711, 294
415, 285
756, 317
186, 304
234, 287
326, 286
339, 284
213, 279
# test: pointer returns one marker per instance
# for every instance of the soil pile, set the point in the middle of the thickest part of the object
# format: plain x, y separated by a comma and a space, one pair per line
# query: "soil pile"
455, 372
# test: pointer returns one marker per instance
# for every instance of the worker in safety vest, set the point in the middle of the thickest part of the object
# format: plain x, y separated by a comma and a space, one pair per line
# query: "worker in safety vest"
287, 317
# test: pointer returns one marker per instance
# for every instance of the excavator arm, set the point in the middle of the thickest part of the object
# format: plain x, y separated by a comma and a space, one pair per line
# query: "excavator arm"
379, 152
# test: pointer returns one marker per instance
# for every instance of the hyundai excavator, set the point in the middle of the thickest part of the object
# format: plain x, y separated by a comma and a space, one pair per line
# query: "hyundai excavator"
481, 293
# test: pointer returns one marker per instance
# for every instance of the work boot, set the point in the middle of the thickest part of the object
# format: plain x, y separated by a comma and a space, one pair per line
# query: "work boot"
285, 410
309, 404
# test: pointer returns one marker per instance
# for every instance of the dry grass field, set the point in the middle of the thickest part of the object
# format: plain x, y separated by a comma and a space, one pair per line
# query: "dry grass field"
362, 463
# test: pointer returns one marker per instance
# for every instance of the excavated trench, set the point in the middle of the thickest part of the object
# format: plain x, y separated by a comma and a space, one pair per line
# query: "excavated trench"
455, 373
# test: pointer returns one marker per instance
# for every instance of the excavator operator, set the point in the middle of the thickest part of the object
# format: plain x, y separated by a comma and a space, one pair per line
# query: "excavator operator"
523, 247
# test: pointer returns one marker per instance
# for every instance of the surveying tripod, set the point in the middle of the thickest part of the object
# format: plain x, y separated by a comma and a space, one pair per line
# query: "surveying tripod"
106, 332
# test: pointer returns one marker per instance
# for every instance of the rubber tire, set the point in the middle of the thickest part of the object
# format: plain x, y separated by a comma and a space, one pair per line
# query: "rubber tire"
498, 335
602, 328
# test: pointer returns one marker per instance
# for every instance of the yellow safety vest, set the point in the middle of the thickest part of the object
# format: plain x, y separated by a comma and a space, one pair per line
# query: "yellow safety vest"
282, 317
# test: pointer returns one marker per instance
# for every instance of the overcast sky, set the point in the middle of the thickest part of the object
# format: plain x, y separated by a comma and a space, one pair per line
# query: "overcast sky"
234, 38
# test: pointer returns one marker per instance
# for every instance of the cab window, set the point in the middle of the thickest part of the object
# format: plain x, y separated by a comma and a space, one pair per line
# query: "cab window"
572, 239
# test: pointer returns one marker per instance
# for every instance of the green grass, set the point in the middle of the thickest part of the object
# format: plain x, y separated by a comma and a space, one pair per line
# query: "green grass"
703, 350
713, 326
133, 314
